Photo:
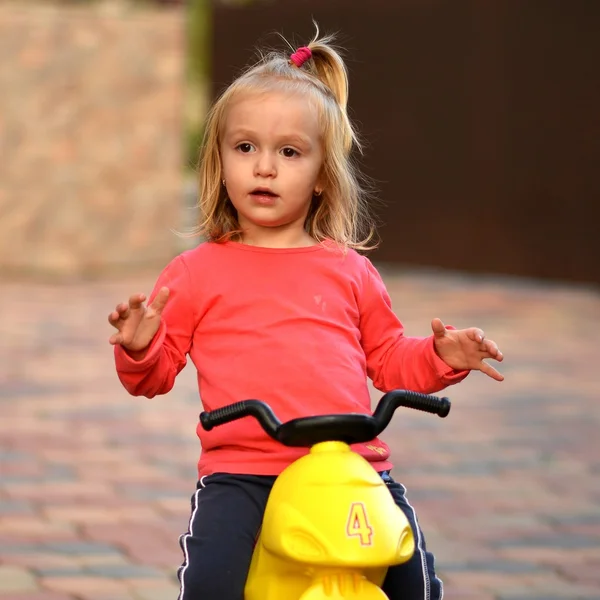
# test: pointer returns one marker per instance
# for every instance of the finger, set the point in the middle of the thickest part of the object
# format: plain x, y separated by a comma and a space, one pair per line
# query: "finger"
476, 334
115, 339
160, 300
438, 327
136, 301
113, 318
490, 371
121, 311
491, 349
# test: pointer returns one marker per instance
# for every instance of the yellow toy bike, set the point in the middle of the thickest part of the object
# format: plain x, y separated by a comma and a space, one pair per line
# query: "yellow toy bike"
331, 528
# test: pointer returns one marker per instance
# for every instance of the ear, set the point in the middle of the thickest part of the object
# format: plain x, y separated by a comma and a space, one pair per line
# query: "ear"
319, 185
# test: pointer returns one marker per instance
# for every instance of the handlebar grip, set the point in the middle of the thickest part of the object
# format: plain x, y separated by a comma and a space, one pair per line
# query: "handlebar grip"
426, 403
223, 415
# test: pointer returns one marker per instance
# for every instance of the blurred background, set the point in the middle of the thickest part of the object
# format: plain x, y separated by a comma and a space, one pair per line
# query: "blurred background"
482, 135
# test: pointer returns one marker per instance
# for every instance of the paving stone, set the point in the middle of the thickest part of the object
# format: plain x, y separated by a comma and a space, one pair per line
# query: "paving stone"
147, 493
89, 586
129, 571
135, 540
9, 547
556, 541
538, 585
536, 595
573, 519
550, 594
16, 579
85, 515
41, 595
70, 490
550, 555
11, 456
505, 488
81, 547
494, 567
27, 389
14, 507
458, 593
170, 591
35, 561
93, 560
587, 573
106, 570
112, 595
71, 571
34, 526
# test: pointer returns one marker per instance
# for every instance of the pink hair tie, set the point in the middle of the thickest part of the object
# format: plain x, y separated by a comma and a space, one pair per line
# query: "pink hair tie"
301, 56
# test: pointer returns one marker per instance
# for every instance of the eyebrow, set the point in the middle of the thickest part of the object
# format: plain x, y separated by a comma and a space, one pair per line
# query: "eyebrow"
292, 138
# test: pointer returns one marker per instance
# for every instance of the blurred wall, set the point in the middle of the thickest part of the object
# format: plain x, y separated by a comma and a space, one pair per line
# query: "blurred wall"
482, 122
90, 136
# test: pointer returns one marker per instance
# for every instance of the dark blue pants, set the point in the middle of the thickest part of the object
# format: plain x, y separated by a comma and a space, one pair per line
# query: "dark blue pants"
227, 512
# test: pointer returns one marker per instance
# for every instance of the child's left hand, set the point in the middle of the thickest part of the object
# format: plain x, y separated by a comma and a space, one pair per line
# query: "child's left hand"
464, 349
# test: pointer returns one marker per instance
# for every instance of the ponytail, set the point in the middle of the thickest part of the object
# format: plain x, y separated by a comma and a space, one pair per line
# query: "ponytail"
321, 59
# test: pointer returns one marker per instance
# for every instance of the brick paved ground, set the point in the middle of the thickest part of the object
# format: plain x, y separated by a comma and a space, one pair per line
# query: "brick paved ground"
95, 484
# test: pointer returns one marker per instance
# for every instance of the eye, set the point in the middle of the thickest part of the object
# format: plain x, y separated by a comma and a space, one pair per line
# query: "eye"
245, 147
289, 152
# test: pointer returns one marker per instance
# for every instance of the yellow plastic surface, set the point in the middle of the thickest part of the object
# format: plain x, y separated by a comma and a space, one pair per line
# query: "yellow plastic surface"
329, 518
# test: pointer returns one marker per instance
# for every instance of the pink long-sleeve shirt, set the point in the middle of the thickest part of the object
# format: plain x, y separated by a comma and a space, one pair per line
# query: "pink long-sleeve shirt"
300, 328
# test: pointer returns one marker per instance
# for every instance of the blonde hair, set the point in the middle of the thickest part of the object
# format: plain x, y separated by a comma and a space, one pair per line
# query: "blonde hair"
340, 213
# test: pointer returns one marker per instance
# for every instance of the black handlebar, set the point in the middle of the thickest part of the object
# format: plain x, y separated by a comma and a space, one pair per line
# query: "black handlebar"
384, 411
306, 431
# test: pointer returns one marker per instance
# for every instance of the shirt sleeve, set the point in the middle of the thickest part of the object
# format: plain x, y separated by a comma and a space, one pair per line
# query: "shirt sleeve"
395, 361
167, 355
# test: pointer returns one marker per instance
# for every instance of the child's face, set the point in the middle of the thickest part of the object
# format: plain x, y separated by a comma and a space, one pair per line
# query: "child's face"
272, 158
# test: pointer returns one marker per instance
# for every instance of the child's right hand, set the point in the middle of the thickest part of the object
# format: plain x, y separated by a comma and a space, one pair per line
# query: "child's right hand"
137, 324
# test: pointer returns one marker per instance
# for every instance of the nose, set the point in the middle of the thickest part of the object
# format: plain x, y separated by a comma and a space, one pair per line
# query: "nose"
265, 165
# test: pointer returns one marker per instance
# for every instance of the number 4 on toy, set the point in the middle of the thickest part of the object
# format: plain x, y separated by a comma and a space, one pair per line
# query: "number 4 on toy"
358, 524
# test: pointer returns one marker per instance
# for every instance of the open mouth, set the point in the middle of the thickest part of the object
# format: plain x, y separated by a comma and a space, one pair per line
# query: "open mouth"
263, 192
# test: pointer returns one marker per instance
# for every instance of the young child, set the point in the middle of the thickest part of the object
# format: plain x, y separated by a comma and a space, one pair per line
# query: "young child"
278, 305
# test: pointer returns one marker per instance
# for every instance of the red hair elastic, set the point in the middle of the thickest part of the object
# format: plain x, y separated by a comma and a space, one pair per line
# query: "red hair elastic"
301, 56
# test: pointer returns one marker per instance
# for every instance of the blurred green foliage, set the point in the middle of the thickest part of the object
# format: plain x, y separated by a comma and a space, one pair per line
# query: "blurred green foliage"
124, 2
197, 74
198, 22
198, 27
